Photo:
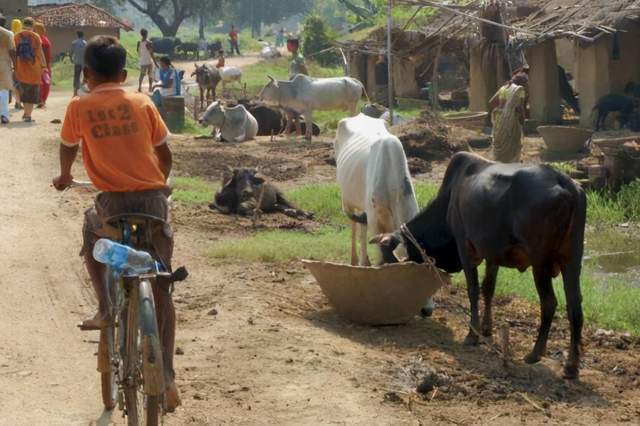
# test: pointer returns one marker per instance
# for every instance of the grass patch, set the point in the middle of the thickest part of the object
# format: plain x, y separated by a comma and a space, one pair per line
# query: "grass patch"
192, 190
283, 246
191, 127
604, 208
607, 303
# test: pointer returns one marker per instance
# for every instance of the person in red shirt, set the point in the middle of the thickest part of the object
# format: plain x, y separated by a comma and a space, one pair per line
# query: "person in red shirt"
233, 40
125, 154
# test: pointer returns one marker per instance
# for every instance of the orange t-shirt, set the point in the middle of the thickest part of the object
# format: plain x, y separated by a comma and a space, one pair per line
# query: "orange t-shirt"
118, 132
30, 72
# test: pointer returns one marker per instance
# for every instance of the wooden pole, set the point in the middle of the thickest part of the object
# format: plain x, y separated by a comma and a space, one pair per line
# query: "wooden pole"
435, 90
390, 80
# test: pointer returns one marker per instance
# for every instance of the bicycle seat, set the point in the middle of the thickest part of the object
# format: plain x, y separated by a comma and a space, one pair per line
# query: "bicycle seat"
134, 219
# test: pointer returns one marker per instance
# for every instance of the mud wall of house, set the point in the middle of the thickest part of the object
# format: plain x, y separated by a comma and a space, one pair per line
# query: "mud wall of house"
544, 88
625, 67
404, 73
566, 53
593, 76
61, 38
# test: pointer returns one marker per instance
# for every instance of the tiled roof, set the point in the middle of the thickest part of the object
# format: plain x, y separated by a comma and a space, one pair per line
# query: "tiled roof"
74, 15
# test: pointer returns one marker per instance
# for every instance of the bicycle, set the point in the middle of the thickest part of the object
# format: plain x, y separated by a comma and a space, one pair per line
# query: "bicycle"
130, 350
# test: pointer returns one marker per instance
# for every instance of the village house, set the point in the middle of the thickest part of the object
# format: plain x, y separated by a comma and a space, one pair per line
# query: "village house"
595, 40
64, 20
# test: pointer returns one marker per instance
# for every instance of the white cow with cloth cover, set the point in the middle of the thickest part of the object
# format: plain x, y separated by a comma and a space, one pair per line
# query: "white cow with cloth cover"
235, 124
373, 175
304, 94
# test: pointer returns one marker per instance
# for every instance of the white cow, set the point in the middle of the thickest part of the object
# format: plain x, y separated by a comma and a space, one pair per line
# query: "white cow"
374, 178
230, 75
235, 124
304, 95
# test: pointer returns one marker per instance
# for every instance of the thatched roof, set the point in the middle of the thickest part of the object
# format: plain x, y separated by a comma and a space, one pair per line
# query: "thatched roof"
586, 20
74, 15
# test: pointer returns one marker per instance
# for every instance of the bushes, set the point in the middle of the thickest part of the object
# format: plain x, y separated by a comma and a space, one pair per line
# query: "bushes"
317, 38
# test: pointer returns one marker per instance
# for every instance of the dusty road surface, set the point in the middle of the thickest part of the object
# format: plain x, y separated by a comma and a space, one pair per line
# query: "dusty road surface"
258, 343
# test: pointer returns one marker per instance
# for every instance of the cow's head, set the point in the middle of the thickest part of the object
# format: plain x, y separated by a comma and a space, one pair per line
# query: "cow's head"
238, 187
270, 93
213, 115
197, 71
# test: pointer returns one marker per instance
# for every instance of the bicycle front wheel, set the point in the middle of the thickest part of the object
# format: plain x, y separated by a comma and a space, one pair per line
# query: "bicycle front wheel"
145, 384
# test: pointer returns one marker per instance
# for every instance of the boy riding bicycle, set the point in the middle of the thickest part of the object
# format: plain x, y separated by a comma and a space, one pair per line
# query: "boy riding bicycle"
125, 154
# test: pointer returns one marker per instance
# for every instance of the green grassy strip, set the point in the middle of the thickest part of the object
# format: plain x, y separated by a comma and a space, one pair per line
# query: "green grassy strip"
192, 190
608, 303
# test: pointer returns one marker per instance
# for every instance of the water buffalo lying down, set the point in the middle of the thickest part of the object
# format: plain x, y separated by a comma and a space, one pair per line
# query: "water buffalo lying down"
272, 120
510, 215
243, 189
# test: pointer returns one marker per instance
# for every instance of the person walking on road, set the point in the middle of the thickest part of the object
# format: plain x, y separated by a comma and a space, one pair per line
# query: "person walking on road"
16, 27
77, 57
29, 65
146, 58
233, 41
45, 86
7, 58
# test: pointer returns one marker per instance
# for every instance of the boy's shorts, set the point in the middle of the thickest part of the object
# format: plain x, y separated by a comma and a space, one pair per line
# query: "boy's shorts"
146, 70
108, 204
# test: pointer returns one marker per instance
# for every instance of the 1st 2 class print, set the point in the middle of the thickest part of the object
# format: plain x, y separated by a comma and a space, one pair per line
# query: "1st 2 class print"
110, 122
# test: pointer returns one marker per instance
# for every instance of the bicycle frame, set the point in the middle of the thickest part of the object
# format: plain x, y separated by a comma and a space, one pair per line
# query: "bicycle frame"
134, 325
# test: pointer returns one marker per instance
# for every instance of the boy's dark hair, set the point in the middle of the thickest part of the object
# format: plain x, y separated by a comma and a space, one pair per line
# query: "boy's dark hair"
165, 60
27, 22
144, 32
3, 21
80, 34
105, 56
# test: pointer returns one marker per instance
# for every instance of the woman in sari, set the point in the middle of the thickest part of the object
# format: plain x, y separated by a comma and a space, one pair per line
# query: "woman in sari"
45, 87
508, 117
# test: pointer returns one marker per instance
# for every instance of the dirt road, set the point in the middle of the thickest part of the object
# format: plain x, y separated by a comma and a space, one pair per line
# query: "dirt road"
258, 343
47, 373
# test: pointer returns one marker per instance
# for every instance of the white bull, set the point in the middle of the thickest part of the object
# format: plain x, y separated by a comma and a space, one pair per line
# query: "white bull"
304, 95
235, 124
374, 178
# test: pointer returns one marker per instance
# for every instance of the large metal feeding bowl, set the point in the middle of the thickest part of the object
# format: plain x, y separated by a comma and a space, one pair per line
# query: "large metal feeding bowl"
563, 139
381, 295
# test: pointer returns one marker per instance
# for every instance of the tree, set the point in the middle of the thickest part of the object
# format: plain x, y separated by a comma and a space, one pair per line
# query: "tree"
254, 13
169, 15
317, 40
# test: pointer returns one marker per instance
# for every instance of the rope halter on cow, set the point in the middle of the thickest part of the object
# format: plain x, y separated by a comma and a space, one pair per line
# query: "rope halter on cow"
409, 236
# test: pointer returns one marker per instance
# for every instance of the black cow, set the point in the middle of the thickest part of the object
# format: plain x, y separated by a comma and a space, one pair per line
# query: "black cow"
165, 45
614, 103
190, 48
566, 91
272, 120
510, 215
243, 192
214, 48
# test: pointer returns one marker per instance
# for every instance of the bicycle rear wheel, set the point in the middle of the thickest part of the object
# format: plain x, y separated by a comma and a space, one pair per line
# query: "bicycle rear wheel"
107, 370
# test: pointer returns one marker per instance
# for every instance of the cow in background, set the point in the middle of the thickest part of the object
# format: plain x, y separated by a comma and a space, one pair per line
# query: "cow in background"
244, 192
303, 95
510, 215
208, 79
234, 124
374, 178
